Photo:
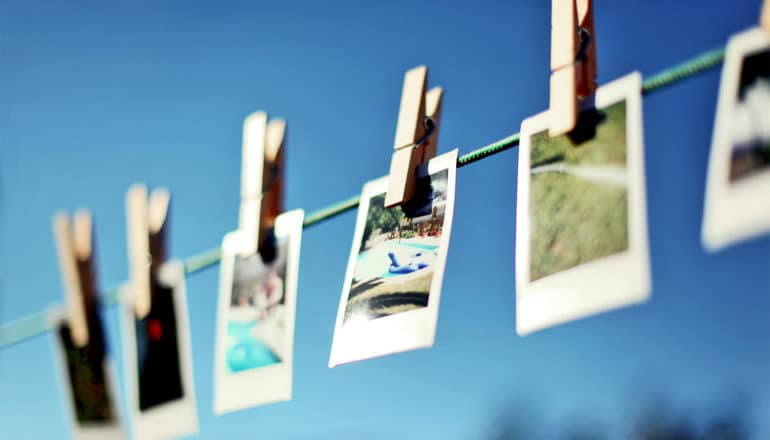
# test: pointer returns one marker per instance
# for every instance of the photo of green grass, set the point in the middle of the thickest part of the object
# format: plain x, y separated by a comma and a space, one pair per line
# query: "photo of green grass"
578, 204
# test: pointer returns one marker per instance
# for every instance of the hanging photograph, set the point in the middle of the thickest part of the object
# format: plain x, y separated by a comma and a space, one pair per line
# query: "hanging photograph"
737, 206
255, 319
87, 379
581, 219
390, 298
158, 359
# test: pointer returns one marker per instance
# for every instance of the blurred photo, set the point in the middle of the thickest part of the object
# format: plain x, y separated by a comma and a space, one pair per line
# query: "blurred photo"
581, 216
751, 119
158, 358
256, 319
395, 263
91, 395
739, 165
158, 365
255, 316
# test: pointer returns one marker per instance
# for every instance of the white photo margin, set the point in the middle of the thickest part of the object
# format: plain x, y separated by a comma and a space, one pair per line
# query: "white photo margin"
606, 283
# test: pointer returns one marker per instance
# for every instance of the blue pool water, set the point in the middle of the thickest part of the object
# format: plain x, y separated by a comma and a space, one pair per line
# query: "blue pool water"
375, 262
247, 352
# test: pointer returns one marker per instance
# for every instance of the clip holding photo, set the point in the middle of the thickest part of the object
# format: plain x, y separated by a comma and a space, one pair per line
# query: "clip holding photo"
155, 324
416, 138
573, 66
253, 355
86, 372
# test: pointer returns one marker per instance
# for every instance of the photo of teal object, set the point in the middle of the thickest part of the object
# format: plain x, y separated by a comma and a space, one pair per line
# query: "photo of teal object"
247, 352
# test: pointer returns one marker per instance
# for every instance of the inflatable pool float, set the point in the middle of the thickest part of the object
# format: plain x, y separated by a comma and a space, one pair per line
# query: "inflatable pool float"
403, 269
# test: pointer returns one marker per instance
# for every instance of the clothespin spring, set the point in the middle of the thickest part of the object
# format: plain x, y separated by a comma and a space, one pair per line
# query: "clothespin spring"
430, 126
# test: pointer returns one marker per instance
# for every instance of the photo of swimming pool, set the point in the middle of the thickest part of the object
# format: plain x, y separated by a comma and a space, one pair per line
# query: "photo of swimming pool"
256, 330
244, 350
395, 264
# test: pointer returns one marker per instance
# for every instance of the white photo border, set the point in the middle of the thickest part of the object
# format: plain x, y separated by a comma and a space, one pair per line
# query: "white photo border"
733, 212
272, 383
606, 283
401, 331
56, 316
178, 417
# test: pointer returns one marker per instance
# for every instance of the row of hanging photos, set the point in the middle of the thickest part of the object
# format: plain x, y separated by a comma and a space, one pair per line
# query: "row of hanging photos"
581, 188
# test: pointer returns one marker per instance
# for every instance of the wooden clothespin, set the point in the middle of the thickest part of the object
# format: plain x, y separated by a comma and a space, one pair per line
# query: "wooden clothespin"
74, 243
261, 177
573, 62
416, 134
147, 229
764, 19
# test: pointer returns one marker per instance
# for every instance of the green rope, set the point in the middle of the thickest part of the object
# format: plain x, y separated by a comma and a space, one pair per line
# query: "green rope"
38, 323
689, 68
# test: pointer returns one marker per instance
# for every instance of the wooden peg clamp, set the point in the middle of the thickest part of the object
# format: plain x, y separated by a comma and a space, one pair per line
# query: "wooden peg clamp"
411, 146
147, 227
261, 177
573, 62
764, 19
74, 244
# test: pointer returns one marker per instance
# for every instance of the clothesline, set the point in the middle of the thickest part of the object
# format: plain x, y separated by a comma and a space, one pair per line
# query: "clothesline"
38, 323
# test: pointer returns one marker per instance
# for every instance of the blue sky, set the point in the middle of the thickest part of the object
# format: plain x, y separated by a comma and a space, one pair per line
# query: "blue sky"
96, 97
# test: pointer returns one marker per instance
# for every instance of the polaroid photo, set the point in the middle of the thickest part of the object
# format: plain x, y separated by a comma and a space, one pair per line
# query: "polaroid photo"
737, 203
87, 380
255, 318
581, 216
158, 357
390, 298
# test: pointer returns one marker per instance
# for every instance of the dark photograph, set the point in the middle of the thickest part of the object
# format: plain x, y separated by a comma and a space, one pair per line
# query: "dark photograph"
88, 380
750, 128
158, 360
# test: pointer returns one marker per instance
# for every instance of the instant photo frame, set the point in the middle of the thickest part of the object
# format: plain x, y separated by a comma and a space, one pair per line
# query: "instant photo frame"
234, 390
85, 431
737, 209
177, 417
603, 283
402, 331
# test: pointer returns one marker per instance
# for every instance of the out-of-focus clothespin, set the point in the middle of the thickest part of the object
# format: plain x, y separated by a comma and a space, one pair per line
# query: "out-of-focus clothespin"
74, 244
261, 177
147, 227
573, 62
764, 19
416, 134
